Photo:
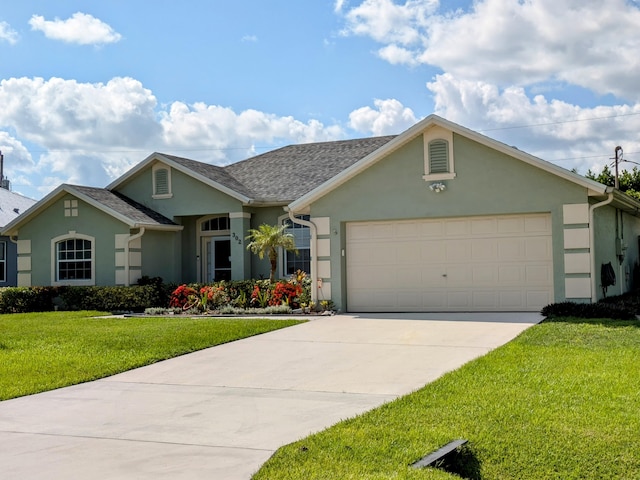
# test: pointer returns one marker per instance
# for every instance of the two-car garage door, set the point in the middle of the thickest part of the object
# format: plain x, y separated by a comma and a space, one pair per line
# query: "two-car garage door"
453, 264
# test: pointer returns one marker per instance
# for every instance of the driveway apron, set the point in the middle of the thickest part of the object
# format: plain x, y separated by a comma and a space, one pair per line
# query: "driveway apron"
220, 413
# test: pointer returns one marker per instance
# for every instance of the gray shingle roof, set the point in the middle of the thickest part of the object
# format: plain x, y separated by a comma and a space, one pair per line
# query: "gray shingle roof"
117, 202
11, 205
212, 172
287, 173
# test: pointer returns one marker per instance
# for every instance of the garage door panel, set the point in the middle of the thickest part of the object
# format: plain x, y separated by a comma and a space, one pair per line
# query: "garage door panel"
431, 251
511, 249
484, 226
537, 248
538, 274
457, 251
537, 224
484, 275
507, 225
511, 274
457, 228
479, 263
484, 250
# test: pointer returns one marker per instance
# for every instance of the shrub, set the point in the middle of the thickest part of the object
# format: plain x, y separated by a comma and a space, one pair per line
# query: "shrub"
110, 299
588, 310
27, 299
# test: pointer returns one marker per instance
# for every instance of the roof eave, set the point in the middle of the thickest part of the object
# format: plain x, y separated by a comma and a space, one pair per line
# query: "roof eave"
159, 227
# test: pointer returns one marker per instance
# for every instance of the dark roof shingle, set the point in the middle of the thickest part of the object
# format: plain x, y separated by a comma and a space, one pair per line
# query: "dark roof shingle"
286, 174
123, 205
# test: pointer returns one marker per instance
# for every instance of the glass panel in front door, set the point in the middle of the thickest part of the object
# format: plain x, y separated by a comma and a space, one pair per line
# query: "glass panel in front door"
222, 259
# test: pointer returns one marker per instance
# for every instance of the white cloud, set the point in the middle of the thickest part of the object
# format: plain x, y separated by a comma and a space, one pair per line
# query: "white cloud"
506, 42
337, 6
92, 133
388, 117
570, 135
250, 38
81, 28
8, 34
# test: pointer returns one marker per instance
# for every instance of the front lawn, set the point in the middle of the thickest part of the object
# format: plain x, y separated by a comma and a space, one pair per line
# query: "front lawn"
562, 401
43, 351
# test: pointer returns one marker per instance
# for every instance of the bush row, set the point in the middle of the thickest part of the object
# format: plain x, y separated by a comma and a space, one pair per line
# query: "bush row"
153, 293
616, 311
106, 299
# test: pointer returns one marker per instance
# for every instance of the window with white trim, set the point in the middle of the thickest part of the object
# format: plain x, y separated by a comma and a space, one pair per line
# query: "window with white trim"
73, 260
161, 181
293, 262
3, 261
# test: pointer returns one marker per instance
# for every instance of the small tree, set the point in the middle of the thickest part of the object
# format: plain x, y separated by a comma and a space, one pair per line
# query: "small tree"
267, 239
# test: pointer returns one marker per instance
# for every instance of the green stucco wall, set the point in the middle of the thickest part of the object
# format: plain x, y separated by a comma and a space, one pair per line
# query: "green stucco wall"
190, 196
90, 221
487, 183
161, 255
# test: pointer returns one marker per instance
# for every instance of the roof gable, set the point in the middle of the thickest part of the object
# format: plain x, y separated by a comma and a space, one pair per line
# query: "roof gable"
118, 206
417, 130
279, 176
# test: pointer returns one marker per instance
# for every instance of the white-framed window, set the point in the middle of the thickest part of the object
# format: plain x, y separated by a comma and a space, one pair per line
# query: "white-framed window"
3, 262
438, 155
161, 181
291, 261
73, 260
71, 208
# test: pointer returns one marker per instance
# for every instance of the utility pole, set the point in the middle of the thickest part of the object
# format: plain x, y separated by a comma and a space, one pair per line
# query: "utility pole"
618, 159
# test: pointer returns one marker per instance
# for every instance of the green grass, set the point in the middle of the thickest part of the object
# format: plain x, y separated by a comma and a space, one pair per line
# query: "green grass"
562, 401
43, 351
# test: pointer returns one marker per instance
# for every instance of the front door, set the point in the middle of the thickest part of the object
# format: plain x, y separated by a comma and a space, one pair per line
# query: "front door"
217, 259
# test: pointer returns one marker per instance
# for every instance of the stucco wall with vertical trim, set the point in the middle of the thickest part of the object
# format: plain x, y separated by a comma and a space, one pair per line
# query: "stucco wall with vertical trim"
487, 183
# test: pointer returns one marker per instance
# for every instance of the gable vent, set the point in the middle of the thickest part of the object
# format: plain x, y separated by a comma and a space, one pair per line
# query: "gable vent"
438, 156
162, 181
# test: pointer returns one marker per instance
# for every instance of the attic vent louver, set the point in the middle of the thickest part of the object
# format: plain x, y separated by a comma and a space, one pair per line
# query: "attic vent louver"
438, 157
162, 181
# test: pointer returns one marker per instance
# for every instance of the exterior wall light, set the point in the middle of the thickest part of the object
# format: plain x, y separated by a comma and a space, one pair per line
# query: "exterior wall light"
438, 187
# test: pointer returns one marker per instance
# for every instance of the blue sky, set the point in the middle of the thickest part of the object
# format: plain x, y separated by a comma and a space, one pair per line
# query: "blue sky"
88, 89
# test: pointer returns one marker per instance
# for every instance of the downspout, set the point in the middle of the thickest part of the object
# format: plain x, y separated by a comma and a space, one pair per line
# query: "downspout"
312, 253
126, 254
592, 244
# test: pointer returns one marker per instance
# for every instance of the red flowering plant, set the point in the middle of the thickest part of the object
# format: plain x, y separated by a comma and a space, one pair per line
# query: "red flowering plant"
182, 297
212, 297
286, 293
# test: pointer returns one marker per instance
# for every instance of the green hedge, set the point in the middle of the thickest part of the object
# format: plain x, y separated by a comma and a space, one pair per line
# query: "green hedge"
134, 298
588, 310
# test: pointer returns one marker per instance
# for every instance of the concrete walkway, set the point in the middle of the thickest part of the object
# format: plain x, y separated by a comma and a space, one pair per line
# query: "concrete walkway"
222, 412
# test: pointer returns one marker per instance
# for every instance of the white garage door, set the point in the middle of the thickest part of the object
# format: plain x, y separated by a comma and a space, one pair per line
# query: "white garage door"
454, 264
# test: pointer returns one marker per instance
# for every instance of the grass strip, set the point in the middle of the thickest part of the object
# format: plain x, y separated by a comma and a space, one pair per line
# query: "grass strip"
559, 402
43, 351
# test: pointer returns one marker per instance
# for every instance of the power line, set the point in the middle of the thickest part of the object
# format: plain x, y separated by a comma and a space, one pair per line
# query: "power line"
559, 122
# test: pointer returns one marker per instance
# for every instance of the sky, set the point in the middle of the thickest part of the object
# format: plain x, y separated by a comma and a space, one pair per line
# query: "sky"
88, 89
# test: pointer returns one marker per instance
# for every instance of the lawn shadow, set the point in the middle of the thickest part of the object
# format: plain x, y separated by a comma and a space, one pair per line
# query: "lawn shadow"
463, 463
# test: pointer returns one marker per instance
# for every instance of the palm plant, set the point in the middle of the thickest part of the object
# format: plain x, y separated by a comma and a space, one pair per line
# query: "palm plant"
267, 239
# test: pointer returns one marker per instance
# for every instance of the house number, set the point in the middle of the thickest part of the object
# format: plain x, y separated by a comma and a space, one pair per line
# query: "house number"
237, 238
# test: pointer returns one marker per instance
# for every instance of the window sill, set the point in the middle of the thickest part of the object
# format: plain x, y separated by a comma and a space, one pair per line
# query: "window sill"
439, 176
73, 283
163, 196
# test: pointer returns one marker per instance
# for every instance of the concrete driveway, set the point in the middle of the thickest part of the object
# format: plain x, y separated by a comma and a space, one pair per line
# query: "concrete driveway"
222, 412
